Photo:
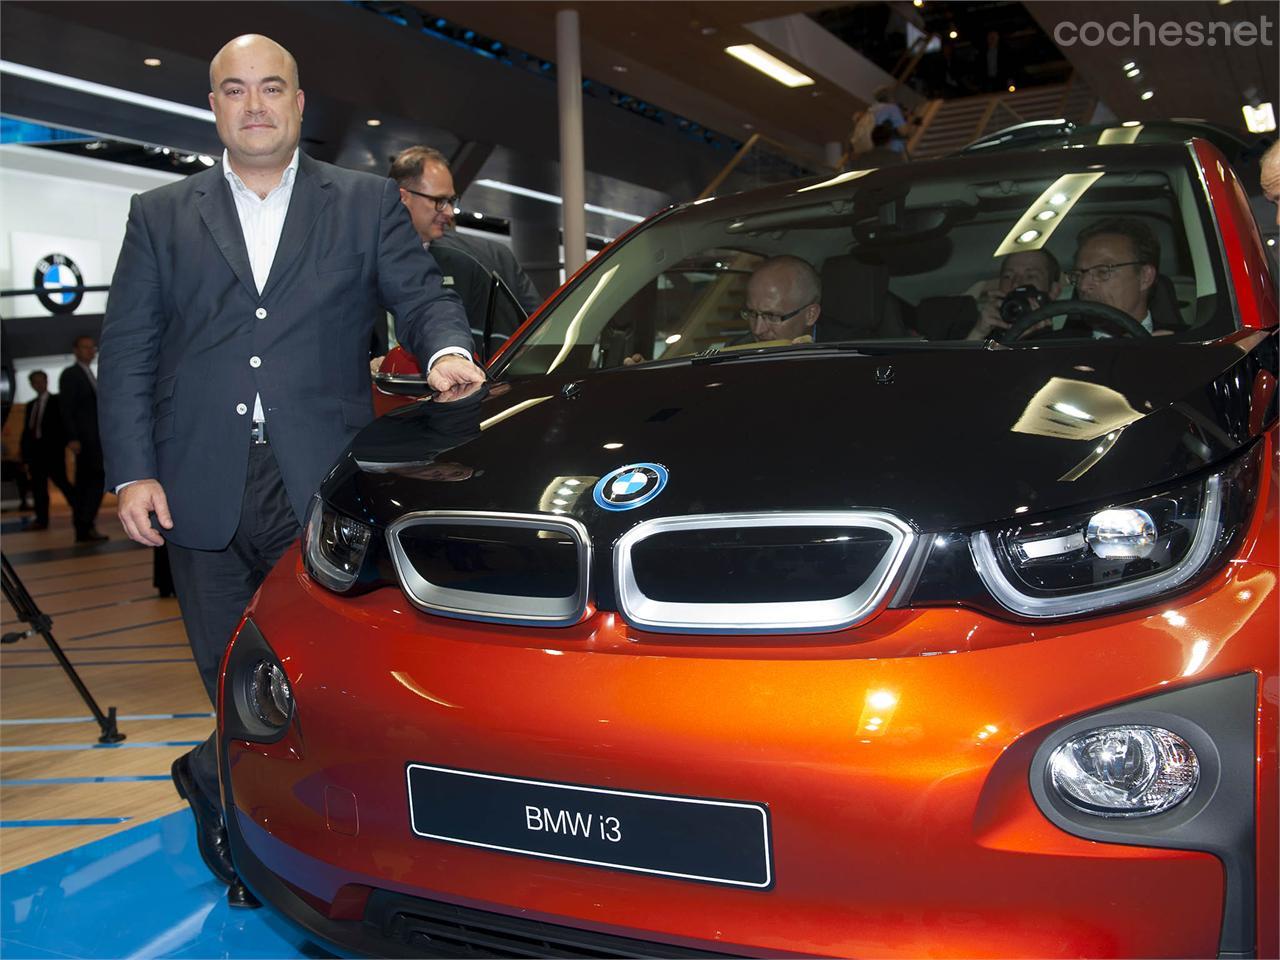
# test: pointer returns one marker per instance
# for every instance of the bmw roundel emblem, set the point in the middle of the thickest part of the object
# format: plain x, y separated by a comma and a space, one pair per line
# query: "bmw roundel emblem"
631, 486
53, 273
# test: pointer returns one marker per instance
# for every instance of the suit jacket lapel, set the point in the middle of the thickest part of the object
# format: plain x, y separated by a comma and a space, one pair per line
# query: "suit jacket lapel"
310, 195
218, 210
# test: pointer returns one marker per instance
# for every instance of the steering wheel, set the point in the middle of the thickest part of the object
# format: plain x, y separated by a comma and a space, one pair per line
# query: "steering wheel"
1089, 309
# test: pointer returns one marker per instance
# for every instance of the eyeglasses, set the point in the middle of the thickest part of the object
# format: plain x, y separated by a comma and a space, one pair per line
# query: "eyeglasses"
753, 317
442, 203
1100, 273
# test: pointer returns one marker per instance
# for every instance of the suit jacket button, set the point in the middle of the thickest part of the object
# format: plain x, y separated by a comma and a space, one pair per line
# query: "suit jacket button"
255, 361
261, 313
241, 409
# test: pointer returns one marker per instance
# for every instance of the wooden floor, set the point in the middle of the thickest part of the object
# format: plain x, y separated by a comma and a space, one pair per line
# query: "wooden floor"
58, 787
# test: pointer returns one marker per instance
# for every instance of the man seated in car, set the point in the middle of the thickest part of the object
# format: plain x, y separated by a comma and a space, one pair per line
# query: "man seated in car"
782, 301
1117, 264
1038, 269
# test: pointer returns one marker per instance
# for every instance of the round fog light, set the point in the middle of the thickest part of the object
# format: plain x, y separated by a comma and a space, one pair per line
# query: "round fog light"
1129, 771
269, 694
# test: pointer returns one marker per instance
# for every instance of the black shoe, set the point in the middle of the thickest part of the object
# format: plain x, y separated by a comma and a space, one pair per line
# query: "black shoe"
211, 832
238, 895
93, 536
36, 525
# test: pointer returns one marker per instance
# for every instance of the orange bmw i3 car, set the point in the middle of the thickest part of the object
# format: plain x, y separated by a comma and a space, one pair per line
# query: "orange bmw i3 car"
875, 566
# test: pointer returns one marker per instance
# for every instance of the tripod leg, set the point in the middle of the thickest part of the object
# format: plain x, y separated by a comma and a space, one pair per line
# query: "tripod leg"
24, 606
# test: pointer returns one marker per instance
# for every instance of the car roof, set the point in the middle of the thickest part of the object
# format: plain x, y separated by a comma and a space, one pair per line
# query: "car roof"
1043, 135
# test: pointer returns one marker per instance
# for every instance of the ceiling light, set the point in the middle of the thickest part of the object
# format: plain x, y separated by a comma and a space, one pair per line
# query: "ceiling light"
552, 198
1032, 232
1046, 214
372, 122
1012, 88
102, 90
478, 215
152, 61
1259, 119
953, 35
917, 3
1132, 123
708, 31
1131, 74
1129, 66
769, 65
619, 68
613, 446
207, 160
1148, 94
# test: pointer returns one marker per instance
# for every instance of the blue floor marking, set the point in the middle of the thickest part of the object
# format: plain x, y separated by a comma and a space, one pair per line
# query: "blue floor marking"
99, 746
78, 664
40, 782
128, 716
139, 893
81, 822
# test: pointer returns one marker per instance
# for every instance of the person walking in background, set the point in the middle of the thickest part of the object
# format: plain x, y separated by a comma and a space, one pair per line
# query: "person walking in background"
44, 448
78, 393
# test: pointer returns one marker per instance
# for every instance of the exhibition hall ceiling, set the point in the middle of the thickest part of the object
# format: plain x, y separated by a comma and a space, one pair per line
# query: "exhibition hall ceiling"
381, 61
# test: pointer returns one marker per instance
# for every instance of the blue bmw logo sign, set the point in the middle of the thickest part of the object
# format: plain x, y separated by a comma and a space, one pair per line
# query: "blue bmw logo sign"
53, 273
631, 486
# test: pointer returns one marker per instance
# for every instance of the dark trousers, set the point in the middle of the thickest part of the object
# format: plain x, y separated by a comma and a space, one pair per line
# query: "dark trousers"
91, 478
214, 586
49, 466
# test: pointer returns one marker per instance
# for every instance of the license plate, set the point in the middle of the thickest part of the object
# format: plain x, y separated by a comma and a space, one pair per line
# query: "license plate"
690, 838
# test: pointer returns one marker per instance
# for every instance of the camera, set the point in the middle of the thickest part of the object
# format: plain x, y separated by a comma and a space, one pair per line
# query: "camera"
1020, 301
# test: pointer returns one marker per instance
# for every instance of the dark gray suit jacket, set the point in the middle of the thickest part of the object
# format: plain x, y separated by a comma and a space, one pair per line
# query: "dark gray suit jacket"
187, 339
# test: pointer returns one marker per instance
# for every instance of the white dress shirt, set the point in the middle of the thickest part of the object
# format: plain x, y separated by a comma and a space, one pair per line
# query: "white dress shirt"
261, 222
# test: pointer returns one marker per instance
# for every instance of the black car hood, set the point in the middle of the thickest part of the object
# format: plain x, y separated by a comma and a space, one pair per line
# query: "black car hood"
946, 439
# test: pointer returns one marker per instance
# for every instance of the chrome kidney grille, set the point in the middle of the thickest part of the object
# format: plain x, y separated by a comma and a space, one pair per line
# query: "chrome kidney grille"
758, 572
713, 573
515, 568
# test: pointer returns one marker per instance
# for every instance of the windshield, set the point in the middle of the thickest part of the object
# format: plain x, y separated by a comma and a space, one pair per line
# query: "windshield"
945, 255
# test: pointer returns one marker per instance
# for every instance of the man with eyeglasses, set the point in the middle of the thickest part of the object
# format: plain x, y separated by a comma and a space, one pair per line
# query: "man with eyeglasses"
1117, 264
427, 191
782, 302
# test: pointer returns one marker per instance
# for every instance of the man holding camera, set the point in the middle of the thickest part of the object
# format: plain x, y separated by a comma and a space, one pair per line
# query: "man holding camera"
1029, 280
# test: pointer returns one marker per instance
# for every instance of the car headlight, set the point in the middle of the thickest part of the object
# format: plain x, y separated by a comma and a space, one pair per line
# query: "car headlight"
334, 546
1124, 771
1117, 554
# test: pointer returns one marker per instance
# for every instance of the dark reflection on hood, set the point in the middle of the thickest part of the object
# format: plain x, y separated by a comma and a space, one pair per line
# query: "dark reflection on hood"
411, 441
